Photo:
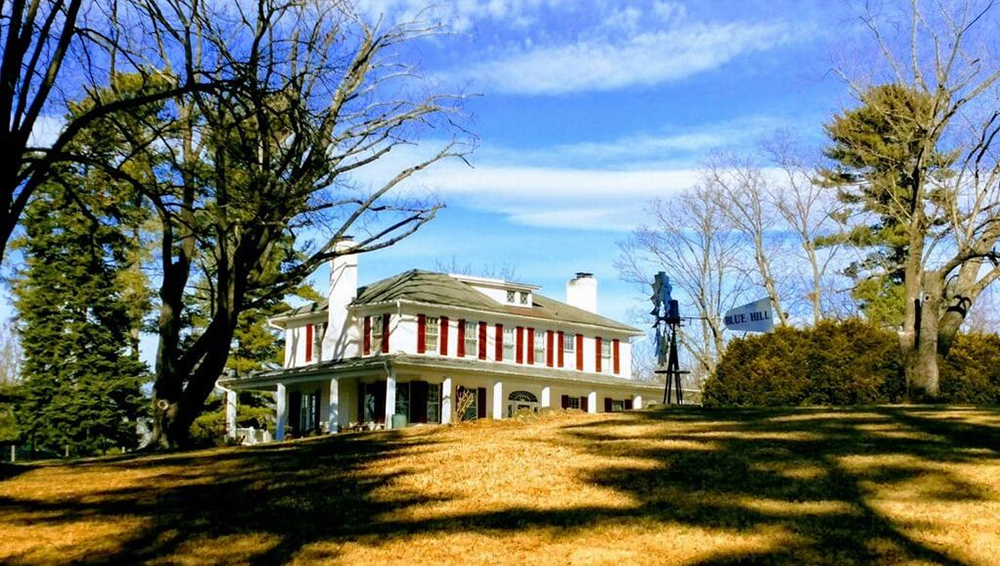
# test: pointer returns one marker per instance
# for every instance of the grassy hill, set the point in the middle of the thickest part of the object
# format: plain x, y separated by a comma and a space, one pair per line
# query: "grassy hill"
878, 485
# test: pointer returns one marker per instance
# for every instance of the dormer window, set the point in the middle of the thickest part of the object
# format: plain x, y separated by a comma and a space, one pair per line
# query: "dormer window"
524, 297
511, 297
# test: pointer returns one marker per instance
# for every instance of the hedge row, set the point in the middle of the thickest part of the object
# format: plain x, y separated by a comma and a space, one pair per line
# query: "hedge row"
844, 363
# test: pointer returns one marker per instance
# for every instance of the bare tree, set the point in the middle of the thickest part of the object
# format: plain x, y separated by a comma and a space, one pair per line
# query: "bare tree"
256, 186
809, 211
504, 270
741, 188
10, 354
691, 240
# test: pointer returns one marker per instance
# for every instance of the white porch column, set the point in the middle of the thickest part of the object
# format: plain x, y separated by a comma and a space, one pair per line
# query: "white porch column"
281, 397
546, 397
592, 402
446, 394
333, 412
230, 413
390, 398
637, 402
498, 400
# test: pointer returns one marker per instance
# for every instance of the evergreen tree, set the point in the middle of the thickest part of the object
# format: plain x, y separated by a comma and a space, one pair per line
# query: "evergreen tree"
81, 374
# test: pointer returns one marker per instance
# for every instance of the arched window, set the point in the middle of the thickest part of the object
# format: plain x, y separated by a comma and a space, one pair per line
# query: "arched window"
522, 396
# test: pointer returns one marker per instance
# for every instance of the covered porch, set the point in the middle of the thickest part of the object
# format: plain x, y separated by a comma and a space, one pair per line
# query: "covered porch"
397, 390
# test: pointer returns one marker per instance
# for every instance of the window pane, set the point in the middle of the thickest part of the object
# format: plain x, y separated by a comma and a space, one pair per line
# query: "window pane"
434, 403
431, 334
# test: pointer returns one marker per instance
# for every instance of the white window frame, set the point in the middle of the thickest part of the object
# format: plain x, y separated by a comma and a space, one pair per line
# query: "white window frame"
539, 346
509, 343
377, 334
317, 342
471, 338
569, 348
573, 402
432, 333
606, 355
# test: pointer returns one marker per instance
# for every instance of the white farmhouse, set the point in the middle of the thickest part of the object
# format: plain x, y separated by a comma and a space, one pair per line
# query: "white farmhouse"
405, 349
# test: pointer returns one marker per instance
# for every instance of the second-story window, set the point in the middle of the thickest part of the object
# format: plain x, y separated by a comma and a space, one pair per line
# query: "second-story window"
318, 333
606, 354
471, 338
569, 348
431, 332
377, 331
508, 344
539, 346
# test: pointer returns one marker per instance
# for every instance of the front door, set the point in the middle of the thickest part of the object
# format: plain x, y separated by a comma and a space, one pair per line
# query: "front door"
521, 400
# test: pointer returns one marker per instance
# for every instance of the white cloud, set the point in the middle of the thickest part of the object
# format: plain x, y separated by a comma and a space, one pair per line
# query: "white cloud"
641, 59
564, 197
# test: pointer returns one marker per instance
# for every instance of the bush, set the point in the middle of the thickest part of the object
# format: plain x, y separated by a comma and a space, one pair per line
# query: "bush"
970, 375
845, 363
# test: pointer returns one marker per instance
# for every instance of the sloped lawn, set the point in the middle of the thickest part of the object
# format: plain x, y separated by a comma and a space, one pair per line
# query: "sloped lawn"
878, 485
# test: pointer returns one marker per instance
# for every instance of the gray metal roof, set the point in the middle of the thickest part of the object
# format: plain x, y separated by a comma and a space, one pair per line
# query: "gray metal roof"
441, 289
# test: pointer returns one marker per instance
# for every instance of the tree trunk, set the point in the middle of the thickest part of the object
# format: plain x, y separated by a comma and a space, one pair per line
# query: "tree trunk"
924, 357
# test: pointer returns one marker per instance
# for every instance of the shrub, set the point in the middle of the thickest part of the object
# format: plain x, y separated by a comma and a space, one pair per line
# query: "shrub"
970, 374
835, 363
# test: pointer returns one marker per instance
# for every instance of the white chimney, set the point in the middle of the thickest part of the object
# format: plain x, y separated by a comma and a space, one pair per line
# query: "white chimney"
581, 292
342, 335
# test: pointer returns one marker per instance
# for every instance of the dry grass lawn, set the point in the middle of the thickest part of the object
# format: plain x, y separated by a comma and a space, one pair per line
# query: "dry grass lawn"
882, 485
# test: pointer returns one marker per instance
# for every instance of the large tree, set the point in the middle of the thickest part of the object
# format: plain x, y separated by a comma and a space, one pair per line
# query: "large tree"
256, 186
917, 156
80, 379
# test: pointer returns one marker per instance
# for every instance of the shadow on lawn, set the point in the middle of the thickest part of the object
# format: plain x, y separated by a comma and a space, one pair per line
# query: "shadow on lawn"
295, 493
732, 471
761, 468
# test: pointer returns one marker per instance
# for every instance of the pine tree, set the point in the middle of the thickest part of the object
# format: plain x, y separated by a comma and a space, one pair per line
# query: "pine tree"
81, 373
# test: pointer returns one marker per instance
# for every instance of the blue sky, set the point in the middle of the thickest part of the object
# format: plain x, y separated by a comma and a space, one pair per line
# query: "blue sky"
584, 111
587, 110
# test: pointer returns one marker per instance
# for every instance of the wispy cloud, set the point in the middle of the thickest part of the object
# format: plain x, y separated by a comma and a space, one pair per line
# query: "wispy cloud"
607, 63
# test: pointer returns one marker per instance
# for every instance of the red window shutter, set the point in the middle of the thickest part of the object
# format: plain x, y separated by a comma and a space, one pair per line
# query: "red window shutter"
549, 341
519, 354
461, 338
499, 343
584, 404
607, 404
385, 333
309, 343
628, 404
597, 350
562, 345
368, 336
531, 346
565, 401
443, 333
421, 333
615, 345
481, 400
579, 352
482, 340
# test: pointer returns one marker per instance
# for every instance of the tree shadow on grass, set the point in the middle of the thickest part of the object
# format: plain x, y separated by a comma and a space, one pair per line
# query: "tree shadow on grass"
289, 494
791, 469
807, 473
